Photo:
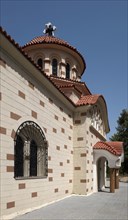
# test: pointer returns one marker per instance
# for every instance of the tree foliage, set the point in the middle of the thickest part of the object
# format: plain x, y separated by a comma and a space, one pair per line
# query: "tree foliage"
122, 135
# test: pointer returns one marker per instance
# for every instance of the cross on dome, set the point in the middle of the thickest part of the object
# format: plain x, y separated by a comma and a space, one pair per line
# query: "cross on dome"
49, 29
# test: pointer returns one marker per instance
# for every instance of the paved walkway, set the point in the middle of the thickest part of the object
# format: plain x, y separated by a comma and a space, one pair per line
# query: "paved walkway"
98, 206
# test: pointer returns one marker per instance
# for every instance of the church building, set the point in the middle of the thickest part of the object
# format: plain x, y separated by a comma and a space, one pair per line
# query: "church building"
52, 129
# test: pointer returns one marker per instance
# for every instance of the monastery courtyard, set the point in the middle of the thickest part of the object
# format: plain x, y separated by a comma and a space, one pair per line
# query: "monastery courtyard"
101, 205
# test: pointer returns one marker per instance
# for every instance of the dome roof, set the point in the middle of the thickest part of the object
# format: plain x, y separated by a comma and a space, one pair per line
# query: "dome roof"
45, 39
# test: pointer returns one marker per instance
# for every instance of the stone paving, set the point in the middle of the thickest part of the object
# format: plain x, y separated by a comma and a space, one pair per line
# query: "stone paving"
98, 206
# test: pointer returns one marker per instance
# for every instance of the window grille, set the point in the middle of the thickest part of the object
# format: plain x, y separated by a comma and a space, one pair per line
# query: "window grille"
31, 151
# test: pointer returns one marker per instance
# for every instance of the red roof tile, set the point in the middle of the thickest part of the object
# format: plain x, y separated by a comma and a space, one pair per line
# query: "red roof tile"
80, 86
88, 100
115, 148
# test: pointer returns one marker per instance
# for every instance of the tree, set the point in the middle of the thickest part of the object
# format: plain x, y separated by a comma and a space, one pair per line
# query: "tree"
122, 135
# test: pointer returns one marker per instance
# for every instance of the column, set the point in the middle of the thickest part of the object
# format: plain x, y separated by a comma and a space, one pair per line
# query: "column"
116, 178
112, 180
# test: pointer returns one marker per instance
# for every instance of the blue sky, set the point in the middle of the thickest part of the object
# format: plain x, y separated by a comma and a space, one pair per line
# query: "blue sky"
98, 29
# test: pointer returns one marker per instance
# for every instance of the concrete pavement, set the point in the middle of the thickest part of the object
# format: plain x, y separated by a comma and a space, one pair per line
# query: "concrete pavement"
98, 206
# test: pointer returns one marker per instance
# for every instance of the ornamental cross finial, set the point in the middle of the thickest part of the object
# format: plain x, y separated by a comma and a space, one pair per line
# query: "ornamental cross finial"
49, 29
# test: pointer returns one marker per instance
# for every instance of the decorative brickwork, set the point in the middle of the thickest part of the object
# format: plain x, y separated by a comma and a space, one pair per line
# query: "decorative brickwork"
83, 155
22, 186
61, 163
77, 168
50, 179
64, 119
10, 205
34, 194
83, 180
62, 130
65, 146
58, 147
2, 130
54, 130
56, 190
50, 170
66, 191
13, 134
80, 139
56, 117
21, 94
83, 114
34, 114
42, 103
14, 116
50, 100
10, 169
77, 121
10, 156
31, 85
62, 174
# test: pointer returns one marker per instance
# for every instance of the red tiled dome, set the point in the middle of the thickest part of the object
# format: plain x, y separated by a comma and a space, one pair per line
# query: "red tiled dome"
44, 39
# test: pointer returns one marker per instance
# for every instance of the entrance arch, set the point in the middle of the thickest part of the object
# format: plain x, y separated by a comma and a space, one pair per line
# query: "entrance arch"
113, 153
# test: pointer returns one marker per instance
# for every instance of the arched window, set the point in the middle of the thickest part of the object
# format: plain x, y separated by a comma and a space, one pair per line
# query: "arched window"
67, 71
54, 67
40, 62
31, 151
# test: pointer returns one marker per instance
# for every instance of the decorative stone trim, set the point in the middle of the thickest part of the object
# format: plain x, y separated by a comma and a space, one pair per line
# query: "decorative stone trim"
34, 194
83, 180
57, 147
56, 117
50, 100
13, 134
80, 139
83, 114
61, 109
50, 170
77, 168
42, 103
2, 130
10, 156
65, 146
10, 168
10, 205
54, 130
64, 119
31, 85
21, 94
50, 179
77, 122
49, 157
83, 155
14, 116
62, 130
56, 190
22, 186
34, 114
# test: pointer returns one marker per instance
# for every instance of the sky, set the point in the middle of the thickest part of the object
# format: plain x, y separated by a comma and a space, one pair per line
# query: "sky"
97, 28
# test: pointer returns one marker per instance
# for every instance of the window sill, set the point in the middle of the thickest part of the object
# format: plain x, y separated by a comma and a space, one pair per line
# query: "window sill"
30, 177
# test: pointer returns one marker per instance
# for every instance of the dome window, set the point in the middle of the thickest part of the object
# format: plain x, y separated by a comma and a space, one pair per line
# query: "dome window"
67, 71
54, 67
40, 63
